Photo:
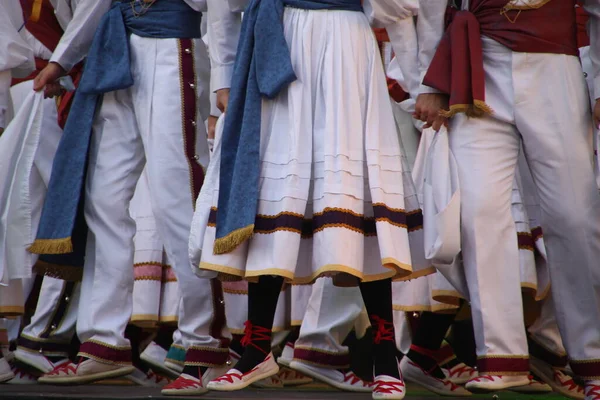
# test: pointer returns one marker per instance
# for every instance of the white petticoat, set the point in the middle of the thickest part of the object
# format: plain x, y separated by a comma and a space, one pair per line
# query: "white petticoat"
331, 195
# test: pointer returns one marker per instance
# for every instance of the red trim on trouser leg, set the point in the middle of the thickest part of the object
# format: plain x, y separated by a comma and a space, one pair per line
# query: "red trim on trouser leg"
47, 348
547, 356
321, 358
206, 357
586, 369
498, 365
106, 353
189, 112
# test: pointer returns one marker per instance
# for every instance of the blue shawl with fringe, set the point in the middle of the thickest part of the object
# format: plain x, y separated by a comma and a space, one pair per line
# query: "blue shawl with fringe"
62, 230
262, 68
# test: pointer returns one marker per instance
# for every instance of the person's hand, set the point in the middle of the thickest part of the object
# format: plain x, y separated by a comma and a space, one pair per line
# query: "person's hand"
47, 80
428, 108
222, 99
597, 114
212, 126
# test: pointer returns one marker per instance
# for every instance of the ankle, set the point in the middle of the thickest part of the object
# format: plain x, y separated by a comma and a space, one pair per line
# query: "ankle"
194, 370
426, 361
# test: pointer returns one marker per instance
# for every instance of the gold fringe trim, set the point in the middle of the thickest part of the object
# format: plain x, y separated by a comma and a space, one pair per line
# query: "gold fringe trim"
476, 110
51, 246
65, 272
512, 6
229, 243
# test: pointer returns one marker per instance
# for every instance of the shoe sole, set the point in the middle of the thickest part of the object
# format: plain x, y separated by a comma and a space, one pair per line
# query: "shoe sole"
297, 366
160, 368
549, 380
433, 389
183, 392
243, 384
29, 364
477, 390
297, 382
78, 380
6, 377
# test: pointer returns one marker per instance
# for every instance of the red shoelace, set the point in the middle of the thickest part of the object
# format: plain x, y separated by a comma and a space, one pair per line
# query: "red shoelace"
384, 330
255, 333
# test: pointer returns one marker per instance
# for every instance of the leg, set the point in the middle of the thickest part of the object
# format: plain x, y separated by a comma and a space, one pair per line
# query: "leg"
570, 205
116, 162
47, 338
489, 241
174, 139
330, 315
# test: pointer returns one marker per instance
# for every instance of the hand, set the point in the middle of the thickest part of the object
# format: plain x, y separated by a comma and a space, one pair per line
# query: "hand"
212, 126
597, 114
47, 80
222, 99
428, 109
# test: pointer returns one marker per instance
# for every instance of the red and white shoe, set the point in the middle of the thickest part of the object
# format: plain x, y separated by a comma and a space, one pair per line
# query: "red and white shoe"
22, 377
347, 381
272, 382
415, 374
388, 388
87, 371
149, 379
289, 377
493, 383
558, 380
460, 373
6, 373
592, 390
534, 387
185, 385
236, 380
213, 373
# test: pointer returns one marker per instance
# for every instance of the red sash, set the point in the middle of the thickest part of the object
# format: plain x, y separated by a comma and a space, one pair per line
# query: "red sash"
41, 22
457, 67
394, 88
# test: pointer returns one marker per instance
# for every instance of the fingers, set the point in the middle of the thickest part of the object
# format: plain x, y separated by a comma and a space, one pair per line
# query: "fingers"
53, 90
39, 82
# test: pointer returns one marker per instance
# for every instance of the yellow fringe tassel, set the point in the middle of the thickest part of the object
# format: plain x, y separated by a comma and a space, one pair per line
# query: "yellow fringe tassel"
51, 246
228, 243
65, 272
476, 110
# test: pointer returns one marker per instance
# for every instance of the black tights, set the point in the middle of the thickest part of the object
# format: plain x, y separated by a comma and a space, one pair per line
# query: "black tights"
262, 301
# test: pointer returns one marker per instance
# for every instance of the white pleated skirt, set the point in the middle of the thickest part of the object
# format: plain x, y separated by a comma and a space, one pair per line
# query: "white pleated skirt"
331, 190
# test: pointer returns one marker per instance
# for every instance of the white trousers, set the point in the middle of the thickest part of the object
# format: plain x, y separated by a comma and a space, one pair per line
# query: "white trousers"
52, 326
541, 101
544, 331
157, 123
331, 314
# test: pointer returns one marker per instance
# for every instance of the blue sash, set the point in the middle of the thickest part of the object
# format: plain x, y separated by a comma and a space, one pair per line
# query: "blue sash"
62, 231
262, 68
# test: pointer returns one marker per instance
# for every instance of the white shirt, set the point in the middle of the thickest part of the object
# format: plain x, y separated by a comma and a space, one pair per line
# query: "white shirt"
78, 36
224, 23
16, 56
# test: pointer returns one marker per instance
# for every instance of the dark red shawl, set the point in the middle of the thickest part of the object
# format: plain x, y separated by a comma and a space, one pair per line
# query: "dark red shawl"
457, 67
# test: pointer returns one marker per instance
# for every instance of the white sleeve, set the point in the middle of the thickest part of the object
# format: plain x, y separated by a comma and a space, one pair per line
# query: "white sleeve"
15, 52
5, 78
403, 37
77, 39
430, 29
593, 9
223, 33
383, 13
